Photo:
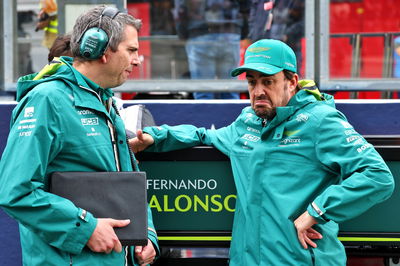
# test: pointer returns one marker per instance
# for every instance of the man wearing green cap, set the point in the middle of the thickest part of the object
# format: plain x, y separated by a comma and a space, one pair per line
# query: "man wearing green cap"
299, 167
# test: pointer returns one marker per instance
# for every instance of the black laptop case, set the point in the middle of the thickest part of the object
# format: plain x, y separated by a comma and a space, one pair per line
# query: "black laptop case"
117, 195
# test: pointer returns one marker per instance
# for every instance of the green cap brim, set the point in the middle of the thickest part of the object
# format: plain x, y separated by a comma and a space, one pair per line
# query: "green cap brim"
260, 67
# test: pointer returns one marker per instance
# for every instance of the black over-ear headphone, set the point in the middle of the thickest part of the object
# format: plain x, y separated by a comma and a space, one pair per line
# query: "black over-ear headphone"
94, 41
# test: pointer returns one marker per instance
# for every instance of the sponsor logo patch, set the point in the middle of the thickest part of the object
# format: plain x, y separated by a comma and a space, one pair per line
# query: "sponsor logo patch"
352, 138
92, 121
364, 147
290, 141
253, 130
85, 112
259, 55
250, 137
350, 132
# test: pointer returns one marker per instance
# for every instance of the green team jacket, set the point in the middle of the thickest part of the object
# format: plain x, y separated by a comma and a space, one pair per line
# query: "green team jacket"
60, 124
307, 158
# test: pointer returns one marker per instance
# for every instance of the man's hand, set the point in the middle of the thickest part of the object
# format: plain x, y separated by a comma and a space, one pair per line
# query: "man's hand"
145, 255
104, 238
141, 142
305, 233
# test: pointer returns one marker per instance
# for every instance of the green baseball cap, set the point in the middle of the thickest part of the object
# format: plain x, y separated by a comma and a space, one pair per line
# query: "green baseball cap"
269, 57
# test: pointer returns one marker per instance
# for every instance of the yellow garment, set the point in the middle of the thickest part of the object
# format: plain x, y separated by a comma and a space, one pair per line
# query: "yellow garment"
53, 25
49, 38
49, 69
51, 31
310, 86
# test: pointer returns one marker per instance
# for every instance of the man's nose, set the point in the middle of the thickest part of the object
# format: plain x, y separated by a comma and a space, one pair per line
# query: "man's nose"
137, 60
258, 89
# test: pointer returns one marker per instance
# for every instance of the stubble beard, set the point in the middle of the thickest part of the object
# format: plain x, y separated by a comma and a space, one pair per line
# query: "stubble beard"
268, 114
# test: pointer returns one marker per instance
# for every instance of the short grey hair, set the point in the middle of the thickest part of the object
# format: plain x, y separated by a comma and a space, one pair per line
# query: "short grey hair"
113, 27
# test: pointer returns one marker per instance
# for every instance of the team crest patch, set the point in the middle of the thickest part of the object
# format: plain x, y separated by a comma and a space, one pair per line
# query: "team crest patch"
259, 49
29, 111
302, 117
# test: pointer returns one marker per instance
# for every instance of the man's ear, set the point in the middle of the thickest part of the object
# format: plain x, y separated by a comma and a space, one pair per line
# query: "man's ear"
293, 83
104, 58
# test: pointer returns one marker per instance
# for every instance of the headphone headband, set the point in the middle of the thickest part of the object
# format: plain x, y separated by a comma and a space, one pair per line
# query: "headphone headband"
94, 41
110, 12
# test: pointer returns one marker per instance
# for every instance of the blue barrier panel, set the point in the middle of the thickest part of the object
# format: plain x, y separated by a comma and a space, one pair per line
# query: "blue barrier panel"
10, 253
5, 115
369, 117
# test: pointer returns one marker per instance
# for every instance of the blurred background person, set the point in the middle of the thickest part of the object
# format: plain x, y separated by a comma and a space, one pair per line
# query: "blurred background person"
396, 55
212, 30
48, 21
294, 31
396, 63
279, 20
61, 47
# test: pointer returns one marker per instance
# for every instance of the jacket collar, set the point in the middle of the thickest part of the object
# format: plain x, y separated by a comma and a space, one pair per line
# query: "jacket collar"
89, 94
307, 95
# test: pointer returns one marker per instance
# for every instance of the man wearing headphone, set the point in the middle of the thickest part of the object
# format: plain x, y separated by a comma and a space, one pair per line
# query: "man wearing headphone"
66, 121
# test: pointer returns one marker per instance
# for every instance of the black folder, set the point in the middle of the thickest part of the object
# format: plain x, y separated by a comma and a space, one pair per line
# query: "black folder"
117, 195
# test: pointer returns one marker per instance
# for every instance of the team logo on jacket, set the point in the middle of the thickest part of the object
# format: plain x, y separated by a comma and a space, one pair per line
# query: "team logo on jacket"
29, 111
302, 118
248, 117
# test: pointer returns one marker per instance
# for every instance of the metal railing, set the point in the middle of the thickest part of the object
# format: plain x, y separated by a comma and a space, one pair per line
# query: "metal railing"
352, 83
356, 43
387, 83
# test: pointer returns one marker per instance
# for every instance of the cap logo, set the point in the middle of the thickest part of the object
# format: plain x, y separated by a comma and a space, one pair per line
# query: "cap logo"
289, 64
267, 56
265, 68
258, 49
